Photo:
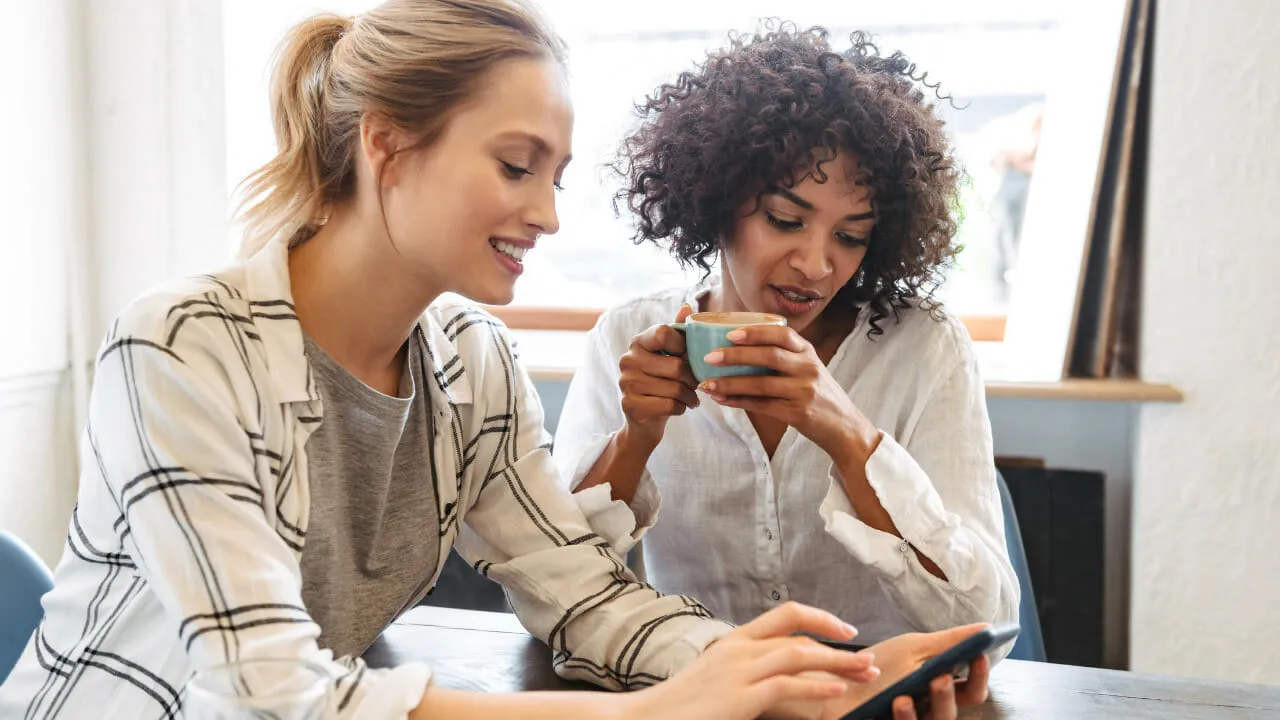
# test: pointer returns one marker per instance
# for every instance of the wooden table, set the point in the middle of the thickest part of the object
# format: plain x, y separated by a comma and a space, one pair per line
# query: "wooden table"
490, 652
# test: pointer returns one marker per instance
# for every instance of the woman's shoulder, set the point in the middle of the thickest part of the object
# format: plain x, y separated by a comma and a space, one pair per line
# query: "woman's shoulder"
205, 313
458, 331
461, 320
927, 331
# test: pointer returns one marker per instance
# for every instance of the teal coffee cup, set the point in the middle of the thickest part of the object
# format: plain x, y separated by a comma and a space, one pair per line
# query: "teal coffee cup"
704, 332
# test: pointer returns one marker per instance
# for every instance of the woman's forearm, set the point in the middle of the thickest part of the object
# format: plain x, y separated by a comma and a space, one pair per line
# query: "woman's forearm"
851, 463
621, 465
446, 704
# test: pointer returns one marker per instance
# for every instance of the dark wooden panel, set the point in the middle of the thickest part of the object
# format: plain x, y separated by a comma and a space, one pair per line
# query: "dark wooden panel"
1060, 513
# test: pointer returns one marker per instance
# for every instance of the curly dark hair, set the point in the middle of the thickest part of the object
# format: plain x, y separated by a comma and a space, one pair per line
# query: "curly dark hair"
769, 110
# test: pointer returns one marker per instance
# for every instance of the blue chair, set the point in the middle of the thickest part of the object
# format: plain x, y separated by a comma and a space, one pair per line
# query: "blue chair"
1030, 642
24, 579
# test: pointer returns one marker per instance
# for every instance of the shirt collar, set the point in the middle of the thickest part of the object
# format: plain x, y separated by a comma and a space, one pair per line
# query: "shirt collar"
270, 297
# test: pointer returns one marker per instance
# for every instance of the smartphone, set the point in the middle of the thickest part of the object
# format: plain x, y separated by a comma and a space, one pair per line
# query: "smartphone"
954, 659
847, 647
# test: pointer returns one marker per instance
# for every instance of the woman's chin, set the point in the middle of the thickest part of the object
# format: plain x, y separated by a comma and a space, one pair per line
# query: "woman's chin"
490, 295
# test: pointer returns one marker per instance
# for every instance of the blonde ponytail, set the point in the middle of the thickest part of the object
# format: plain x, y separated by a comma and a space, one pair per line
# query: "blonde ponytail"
286, 195
409, 60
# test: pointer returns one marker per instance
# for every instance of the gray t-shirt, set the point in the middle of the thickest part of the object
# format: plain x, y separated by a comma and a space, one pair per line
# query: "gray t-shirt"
373, 538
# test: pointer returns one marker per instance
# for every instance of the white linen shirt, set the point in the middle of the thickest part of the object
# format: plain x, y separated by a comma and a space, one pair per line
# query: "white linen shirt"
184, 548
744, 533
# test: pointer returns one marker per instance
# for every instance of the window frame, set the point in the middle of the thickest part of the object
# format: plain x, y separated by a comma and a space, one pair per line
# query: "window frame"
982, 328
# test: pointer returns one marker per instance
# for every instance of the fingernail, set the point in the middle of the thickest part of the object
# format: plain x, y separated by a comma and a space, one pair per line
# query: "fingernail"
714, 357
849, 630
708, 387
735, 335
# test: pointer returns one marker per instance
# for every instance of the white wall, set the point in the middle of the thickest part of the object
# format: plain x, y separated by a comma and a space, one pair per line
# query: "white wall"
41, 201
37, 460
158, 190
1206, 568
113, 119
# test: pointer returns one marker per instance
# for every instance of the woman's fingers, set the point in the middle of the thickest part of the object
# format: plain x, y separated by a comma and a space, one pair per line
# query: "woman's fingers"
684, 312
660, 339
640, 361
942, 698
761, 386
779, 335
798, 655
973, 691
904, 708
792, 617
649, 386
781, 689
765, 356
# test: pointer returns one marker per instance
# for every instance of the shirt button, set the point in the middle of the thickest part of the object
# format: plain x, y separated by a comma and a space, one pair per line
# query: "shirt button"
905, 547
775, 595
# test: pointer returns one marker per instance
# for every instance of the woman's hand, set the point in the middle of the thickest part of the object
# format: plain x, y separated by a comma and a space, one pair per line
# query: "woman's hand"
898, 657
802, 394
760, 667
655, 381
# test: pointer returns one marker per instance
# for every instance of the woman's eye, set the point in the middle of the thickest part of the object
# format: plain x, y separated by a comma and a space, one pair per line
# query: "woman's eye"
780, 223
851, 241
515, 172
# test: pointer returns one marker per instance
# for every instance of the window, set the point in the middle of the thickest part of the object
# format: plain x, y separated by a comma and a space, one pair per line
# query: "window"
991, 55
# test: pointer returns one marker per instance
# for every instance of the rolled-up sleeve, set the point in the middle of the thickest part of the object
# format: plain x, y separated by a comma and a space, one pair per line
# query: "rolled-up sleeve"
592, 414
940, 491
565, 584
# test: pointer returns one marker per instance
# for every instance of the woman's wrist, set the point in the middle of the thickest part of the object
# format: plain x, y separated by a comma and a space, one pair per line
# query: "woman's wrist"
635, 442
852, 448
637, 705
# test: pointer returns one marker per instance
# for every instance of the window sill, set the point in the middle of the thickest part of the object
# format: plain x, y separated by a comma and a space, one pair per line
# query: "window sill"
553, 355
1072, 389
982, 328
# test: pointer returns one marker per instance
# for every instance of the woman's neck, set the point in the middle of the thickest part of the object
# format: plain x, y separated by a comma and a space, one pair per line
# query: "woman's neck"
356, 299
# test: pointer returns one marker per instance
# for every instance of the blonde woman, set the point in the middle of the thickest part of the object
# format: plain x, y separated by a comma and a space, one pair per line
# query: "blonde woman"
280, 455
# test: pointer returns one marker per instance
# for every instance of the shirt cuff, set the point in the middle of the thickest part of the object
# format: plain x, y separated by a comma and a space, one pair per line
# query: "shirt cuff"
907, 495
620, 524
695, 637
395, 694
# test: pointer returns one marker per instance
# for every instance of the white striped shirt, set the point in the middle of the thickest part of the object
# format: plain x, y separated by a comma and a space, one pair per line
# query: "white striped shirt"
184, 547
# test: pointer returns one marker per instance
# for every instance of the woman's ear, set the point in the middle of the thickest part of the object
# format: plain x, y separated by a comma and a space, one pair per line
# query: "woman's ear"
381, 149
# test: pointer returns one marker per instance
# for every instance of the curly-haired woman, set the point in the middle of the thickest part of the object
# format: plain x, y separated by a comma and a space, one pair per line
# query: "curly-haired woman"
859, 475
